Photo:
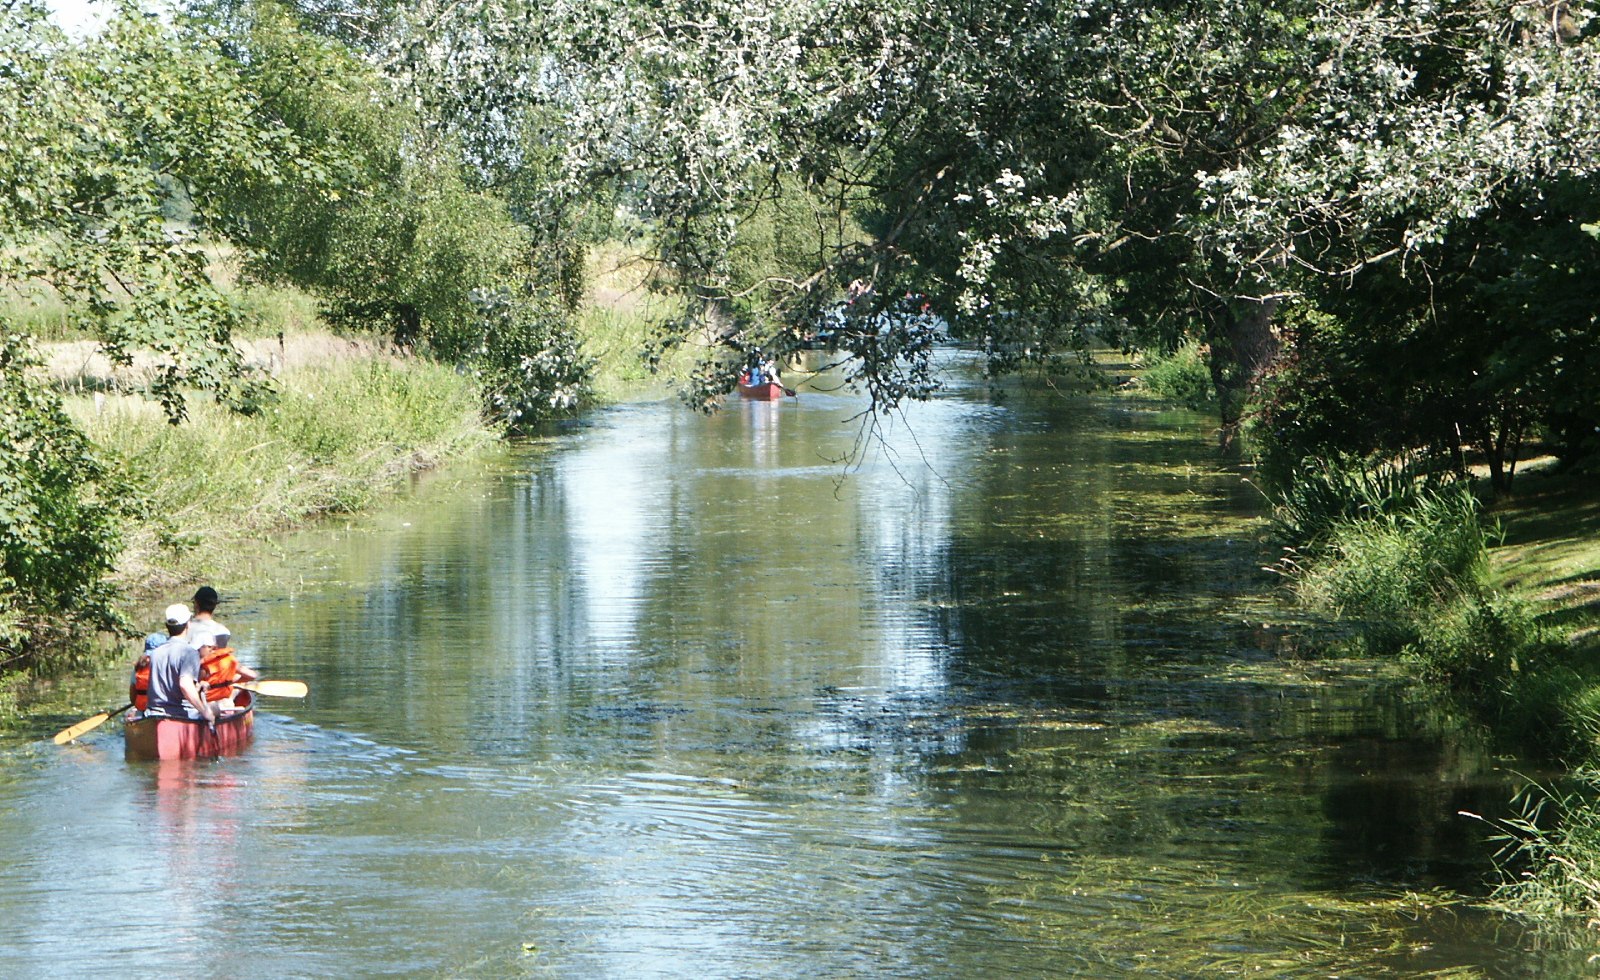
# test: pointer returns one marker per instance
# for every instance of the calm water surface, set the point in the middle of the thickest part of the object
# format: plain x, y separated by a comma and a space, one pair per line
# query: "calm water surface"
676, 696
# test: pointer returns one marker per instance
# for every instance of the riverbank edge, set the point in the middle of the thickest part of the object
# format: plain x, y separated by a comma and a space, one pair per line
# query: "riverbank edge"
171, 548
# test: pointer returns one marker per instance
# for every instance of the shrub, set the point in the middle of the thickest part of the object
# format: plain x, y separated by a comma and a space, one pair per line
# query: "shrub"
1181, 377
1479, 642
529, 360
59, 512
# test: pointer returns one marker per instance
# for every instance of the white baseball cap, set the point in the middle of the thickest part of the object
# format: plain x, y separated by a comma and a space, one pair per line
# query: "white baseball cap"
177, 614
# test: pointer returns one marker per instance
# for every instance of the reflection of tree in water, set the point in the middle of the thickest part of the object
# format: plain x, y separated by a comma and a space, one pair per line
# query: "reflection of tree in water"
1394, 810
1024, 684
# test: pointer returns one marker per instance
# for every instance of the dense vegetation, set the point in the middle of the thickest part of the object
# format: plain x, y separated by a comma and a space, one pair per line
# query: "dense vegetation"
1373, 225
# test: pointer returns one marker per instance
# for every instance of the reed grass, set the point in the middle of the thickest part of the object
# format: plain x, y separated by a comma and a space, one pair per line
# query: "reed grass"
1549, 861
628, 362
1323, 494
1392, 570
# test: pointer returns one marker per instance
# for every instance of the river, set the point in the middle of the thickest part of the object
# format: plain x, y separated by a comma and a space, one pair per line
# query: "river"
994, 688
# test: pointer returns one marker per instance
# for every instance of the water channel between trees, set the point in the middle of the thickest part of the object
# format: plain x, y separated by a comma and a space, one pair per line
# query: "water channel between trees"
663, 695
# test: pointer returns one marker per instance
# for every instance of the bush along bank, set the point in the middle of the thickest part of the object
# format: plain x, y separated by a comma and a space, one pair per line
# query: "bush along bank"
172, 503
1405, 562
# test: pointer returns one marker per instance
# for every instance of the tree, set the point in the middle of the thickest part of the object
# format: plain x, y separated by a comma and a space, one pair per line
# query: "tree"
59, 511
1050, 176
1501, 342
1433, 201
100, 133
97, 134
414, 241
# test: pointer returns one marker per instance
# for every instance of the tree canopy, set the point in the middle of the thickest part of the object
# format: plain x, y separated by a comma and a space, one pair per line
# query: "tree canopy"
1050, 175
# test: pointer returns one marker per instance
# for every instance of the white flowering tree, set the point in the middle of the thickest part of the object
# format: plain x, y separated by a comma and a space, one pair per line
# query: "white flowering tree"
1045, 175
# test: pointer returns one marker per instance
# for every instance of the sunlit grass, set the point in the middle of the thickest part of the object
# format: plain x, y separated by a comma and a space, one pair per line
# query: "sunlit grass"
1551, 550
334, 438
267, 309
619, 322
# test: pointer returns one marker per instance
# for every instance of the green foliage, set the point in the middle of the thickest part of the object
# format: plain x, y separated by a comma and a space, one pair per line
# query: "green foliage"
1320, 495
1182, 377
1053, 176
1406, 561
1479, 642
1550, 701
1489, 337
59, 513
410, 241
1550, 856
791, 234
528, 360
407, 258
1392, 571
101, 133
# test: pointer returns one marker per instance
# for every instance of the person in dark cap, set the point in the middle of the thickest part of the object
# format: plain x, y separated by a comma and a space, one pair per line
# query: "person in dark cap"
204, 630
208, 636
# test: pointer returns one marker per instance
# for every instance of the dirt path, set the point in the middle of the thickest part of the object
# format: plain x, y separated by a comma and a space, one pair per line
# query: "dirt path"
80, 365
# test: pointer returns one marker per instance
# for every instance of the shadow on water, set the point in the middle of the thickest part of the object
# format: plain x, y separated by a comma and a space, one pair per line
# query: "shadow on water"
662, 695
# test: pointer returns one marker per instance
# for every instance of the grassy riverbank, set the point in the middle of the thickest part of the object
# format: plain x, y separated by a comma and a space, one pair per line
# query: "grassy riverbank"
616, 326
345, 426
1500, 607
336, 435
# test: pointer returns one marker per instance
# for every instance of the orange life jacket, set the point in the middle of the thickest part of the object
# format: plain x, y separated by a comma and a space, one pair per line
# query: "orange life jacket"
218, 668
139, 687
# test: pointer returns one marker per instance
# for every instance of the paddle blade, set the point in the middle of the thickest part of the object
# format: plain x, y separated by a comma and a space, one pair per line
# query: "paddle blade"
83, 727
275, 689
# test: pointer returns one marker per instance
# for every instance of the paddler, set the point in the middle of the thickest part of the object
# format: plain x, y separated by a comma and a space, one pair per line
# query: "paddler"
175, 674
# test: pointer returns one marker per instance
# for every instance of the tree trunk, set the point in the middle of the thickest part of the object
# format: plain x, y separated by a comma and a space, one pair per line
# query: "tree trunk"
407, 326
1243, 347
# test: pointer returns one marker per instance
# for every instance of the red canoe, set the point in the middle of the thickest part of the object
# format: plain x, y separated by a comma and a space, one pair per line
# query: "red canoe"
177, 738
769, 391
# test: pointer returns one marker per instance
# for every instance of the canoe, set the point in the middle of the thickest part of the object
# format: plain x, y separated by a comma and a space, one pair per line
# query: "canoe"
179, 738
769, 391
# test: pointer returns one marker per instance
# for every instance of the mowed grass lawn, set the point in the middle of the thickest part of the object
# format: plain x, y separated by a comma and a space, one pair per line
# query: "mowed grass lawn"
1551, 548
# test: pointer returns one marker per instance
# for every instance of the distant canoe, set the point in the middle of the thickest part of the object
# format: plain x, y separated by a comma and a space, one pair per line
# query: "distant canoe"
179, 738
769, 391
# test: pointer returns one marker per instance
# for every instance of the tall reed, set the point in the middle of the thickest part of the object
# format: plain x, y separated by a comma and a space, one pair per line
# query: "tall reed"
1390, 570
1550, 853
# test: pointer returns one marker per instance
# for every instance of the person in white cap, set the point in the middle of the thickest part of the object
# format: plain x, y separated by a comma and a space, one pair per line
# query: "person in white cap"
175, 673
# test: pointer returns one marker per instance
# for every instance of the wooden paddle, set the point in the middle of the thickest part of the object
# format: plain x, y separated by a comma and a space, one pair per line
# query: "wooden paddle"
275, 689
272, 689
88, 725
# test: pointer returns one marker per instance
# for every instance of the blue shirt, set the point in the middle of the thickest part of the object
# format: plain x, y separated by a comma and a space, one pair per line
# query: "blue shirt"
169, 663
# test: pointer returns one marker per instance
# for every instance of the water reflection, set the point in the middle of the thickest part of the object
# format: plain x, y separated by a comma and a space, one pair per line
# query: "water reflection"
662, 695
